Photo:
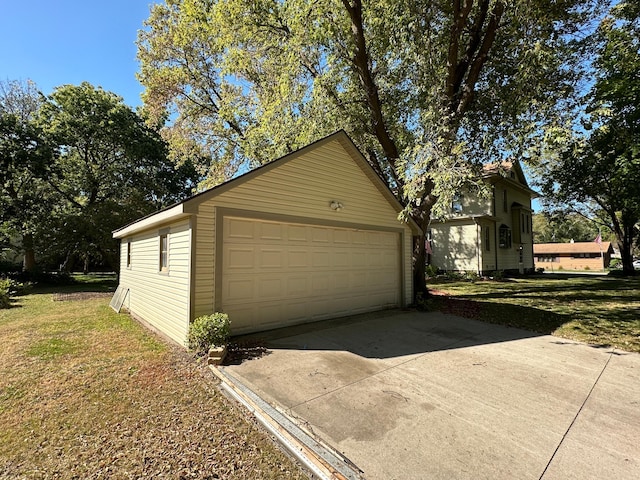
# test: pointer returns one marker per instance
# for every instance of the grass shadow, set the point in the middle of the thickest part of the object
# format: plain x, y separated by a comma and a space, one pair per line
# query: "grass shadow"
90, 283
508, 315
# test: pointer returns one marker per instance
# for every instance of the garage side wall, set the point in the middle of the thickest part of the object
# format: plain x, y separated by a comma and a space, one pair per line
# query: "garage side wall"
160, 298
303, 188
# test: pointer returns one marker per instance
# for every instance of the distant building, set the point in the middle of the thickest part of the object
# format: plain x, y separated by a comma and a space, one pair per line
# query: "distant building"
572, 256
487, 234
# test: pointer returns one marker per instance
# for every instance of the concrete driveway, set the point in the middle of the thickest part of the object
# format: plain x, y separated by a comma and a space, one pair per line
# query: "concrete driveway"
413, 395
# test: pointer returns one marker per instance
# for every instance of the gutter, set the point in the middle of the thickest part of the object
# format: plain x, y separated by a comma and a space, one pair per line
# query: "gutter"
324, 462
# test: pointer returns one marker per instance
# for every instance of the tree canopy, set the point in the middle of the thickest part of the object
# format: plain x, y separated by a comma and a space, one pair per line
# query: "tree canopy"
76, 167
24, 153
427, 89
600, 165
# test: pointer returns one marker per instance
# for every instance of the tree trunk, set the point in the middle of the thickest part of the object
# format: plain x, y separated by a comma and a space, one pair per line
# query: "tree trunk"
626, 244
29, 262
420, 290
422, 216
624, 230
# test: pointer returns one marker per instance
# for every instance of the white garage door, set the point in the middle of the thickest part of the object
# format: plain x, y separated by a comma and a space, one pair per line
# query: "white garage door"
277, 274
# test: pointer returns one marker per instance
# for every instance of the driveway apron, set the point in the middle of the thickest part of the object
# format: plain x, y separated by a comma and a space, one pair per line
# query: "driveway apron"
414, 395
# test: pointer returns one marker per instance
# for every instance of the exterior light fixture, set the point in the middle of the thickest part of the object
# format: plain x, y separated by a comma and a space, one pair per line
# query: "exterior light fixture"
336, 206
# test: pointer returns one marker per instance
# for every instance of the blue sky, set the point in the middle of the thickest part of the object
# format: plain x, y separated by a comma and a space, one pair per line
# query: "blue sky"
59, 42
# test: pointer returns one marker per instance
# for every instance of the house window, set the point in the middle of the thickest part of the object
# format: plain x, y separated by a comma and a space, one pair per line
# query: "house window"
128, 254
456, 205
505, 236
505, 206
164, 252
522, 217
487, 239
528, 223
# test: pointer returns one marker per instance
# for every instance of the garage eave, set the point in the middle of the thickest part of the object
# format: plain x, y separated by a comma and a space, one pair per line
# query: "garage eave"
165, 216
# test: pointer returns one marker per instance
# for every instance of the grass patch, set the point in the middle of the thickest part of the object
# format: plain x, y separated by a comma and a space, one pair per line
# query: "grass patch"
51, 348
600, 310
88, 393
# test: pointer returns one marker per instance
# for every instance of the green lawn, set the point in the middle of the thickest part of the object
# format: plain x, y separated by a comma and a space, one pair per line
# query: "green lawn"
88, 393
600, 310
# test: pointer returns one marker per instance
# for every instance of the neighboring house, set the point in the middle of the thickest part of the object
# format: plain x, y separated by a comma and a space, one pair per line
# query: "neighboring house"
488, 234
573, 256
312, 235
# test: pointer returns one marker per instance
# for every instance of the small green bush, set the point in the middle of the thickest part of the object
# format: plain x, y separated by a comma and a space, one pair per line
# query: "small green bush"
452, 275
497, 275
540, 270
431, 271
8, 289
615, 263
209, 330
471, 276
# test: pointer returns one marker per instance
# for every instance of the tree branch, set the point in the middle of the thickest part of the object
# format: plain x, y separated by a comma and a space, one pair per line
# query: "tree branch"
362, 63
468, 88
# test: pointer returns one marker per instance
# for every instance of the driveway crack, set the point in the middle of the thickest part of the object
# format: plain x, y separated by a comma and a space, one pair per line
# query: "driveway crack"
577, 414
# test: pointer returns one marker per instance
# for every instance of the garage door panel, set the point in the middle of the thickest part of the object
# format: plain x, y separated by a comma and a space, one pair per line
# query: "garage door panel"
240, 258
340, 258
320, 258
341, 236
270, 288
359, 238
240, 229
270, 231
297, 233
239, 289
277, 274
296, 286
298, 258
340, 281
320, 283
320, 235
271, 258
358, 258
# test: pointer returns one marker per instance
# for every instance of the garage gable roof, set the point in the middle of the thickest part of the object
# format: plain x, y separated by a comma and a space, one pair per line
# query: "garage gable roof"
190, 205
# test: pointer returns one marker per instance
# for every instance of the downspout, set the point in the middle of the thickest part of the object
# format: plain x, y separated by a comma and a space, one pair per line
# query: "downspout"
475, 220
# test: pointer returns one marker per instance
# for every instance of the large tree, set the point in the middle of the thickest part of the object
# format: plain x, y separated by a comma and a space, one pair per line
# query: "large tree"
601, 164
111, 169
24, 153
427, 89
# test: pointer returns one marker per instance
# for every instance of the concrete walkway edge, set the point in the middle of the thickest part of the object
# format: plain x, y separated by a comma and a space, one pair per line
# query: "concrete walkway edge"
322, 461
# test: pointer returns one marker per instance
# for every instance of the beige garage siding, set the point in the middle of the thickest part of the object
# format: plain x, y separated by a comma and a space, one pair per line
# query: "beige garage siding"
277, 274
204, 281
161, 299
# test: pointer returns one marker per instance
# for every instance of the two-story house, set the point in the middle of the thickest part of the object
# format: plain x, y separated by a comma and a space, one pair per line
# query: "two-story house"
488, 234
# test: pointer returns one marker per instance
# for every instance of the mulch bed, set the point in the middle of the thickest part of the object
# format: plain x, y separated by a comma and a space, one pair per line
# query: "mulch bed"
66, 297
456, 306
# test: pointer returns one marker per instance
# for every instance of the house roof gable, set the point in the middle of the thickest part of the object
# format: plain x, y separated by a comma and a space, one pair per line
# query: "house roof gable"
509, 172
576, 247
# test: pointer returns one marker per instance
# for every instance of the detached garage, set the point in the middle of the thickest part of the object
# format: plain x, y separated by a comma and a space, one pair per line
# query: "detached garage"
310, 236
